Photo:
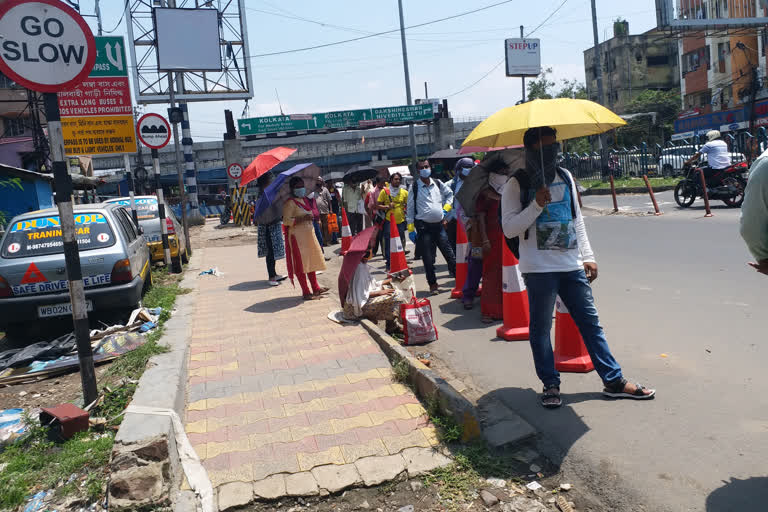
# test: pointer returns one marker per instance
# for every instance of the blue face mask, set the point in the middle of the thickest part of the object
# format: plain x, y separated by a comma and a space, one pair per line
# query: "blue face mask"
465, 171
299, 192
425, 173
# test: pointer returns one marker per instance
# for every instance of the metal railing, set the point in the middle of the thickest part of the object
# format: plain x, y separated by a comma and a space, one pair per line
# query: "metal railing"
658, 161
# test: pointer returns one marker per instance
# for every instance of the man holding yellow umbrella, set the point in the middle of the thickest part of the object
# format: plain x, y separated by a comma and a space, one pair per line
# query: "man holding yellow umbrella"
540, 207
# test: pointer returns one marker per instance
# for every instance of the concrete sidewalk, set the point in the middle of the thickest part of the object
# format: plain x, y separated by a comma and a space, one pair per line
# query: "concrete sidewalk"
282, 401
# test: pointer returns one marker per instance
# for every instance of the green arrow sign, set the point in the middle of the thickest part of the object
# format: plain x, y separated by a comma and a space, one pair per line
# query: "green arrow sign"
110, 57
336, 120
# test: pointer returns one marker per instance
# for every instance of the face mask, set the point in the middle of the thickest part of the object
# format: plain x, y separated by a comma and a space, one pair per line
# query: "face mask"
497, 182
465, 171
299, 192
533, 161
425, 173
394, 188
311, 195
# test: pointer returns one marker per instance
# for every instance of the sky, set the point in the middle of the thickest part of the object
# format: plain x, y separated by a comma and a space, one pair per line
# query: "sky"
450, 55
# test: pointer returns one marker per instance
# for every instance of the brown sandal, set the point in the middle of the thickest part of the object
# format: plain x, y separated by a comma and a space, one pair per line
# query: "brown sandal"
310, 297
321, 291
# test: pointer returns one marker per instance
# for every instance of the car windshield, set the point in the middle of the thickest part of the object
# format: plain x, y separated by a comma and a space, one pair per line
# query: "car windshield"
146, 207
42, 235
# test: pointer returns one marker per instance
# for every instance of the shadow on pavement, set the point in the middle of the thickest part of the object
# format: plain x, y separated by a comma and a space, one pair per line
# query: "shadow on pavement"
748, 494
275, 305
248, 286
563, 426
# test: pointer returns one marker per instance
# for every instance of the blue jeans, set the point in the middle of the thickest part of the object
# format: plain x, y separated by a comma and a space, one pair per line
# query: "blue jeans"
432, 236
573, 288
318, 232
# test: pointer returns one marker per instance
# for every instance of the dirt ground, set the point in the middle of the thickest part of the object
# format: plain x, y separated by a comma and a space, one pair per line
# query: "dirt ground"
45, 393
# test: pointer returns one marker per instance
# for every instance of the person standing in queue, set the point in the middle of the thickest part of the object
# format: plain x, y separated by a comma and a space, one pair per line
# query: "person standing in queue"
351, 199
394, 200
539, 206
461, 171
269, 232
323, 200
428, 202
304, 256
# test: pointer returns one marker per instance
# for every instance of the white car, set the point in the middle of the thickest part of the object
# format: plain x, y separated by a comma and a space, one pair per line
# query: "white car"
672, 159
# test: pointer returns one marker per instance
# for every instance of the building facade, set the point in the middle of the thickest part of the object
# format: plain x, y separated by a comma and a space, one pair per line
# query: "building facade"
632, 64
16, 133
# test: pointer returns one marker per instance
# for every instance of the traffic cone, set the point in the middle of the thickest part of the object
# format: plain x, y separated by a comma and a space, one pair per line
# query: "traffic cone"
515, 300
397, 261
570, 353
462, 250
346, 233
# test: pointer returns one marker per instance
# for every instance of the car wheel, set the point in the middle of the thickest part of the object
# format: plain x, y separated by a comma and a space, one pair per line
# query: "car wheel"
148, 282
176, 267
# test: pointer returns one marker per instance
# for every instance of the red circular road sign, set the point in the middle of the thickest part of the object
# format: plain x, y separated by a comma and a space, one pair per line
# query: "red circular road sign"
153, 131
235, 171
46, 45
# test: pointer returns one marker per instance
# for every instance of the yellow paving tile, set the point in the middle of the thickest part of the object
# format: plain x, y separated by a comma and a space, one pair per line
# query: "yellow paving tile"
398, 413
200, 451
215, 424
338, 401
240, 474
312, 405
254, 416
211, 371
320, 351
323, 428
430, 433
399, 443
362, 420
297, 388
214, 449
385, 372
258, 440
416, 410
358, 451
198, 357
336, 381
370, 374
229, 366
196, 427
200, 405
280, 358
308, 461
381, 392
212, 403
197, 372
399, 389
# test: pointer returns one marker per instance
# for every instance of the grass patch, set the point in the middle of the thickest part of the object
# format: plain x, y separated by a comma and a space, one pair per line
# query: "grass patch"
448, 430
459, 481
629, 183
401, 371
35, 463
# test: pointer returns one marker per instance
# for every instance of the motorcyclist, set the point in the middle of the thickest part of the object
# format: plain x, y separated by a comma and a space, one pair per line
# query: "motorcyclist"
718, 157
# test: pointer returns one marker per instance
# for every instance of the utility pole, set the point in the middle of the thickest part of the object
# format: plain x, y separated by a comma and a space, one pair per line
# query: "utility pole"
177, 150
522, 78
411, 129
98, 18
598, 73
429, 123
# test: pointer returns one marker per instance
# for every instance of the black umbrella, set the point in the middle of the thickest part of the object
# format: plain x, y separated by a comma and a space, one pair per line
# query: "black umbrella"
506, 162
333, 177
360, 173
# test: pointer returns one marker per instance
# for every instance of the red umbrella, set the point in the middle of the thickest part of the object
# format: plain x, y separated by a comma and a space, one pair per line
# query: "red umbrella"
357, 249
264, 162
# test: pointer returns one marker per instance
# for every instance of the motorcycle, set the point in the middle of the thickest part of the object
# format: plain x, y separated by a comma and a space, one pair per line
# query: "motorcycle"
227, 213
726, 185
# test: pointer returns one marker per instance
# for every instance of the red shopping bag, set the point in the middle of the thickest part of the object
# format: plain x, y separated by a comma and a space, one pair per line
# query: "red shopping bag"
418, 325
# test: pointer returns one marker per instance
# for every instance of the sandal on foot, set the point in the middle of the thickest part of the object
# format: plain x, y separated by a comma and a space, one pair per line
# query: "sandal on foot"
310, 297
321, 291
487, 319
468, 306
551, 398
616, 390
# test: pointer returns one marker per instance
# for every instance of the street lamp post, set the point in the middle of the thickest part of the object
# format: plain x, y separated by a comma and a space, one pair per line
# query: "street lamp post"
411, 130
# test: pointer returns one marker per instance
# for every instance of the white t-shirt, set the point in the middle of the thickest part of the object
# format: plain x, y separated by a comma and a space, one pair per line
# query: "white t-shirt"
717, 154
556, 242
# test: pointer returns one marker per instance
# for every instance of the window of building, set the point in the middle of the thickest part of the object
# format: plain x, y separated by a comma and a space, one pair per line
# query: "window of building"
639, 57
764, 41
6, 83
658, 60
705, 98
14, 127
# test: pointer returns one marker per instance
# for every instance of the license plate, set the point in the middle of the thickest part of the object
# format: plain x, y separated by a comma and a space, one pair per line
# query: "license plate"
65, 308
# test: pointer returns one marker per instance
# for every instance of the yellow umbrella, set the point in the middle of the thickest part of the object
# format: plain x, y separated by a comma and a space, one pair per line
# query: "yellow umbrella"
571, 118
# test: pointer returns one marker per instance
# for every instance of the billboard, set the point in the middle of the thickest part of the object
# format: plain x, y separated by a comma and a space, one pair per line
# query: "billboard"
341, 120
700, 14
523, 57
97, 115
187, 39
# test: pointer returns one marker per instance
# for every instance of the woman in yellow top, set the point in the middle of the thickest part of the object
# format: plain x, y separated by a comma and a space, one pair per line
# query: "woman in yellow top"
394, 199
303, 254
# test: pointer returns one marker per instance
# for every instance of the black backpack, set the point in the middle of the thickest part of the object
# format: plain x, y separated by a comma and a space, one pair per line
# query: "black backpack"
526, 196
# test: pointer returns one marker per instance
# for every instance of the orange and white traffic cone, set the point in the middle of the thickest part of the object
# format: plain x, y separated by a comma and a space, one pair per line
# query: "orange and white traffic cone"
397, 261
462, 251
346, 233
570, 353
515, 300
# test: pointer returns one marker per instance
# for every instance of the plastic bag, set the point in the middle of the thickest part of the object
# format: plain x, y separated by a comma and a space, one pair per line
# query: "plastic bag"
418, 326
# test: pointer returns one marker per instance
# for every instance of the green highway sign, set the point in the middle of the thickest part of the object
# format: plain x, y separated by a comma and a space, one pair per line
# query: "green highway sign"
110, 57
340, 120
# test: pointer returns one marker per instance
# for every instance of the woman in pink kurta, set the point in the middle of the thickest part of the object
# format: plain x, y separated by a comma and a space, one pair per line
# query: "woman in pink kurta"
303, 254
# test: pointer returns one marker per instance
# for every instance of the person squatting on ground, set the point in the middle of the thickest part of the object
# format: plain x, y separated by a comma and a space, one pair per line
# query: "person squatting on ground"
428, 202
303, 255
372, 299
557, 259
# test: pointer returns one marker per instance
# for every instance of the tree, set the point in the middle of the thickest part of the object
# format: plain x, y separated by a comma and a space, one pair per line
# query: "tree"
8, 183
666, 105
541, 88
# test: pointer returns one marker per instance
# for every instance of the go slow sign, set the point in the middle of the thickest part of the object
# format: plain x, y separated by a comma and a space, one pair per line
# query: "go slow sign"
44, 45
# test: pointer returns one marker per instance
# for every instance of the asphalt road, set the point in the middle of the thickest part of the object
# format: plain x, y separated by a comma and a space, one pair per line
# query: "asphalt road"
682, 314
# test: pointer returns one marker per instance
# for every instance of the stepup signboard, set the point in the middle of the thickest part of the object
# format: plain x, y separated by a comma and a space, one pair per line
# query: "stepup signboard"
97, 115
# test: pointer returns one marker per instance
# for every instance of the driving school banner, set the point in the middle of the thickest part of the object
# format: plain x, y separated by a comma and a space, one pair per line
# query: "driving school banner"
97, 115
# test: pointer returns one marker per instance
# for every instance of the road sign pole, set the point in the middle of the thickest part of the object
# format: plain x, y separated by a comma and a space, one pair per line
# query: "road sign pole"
411, 129
161, 207
177, 150
63, 184
131, 188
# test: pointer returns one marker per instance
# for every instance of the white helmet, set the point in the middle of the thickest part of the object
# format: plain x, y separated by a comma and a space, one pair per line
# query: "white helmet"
712, 135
